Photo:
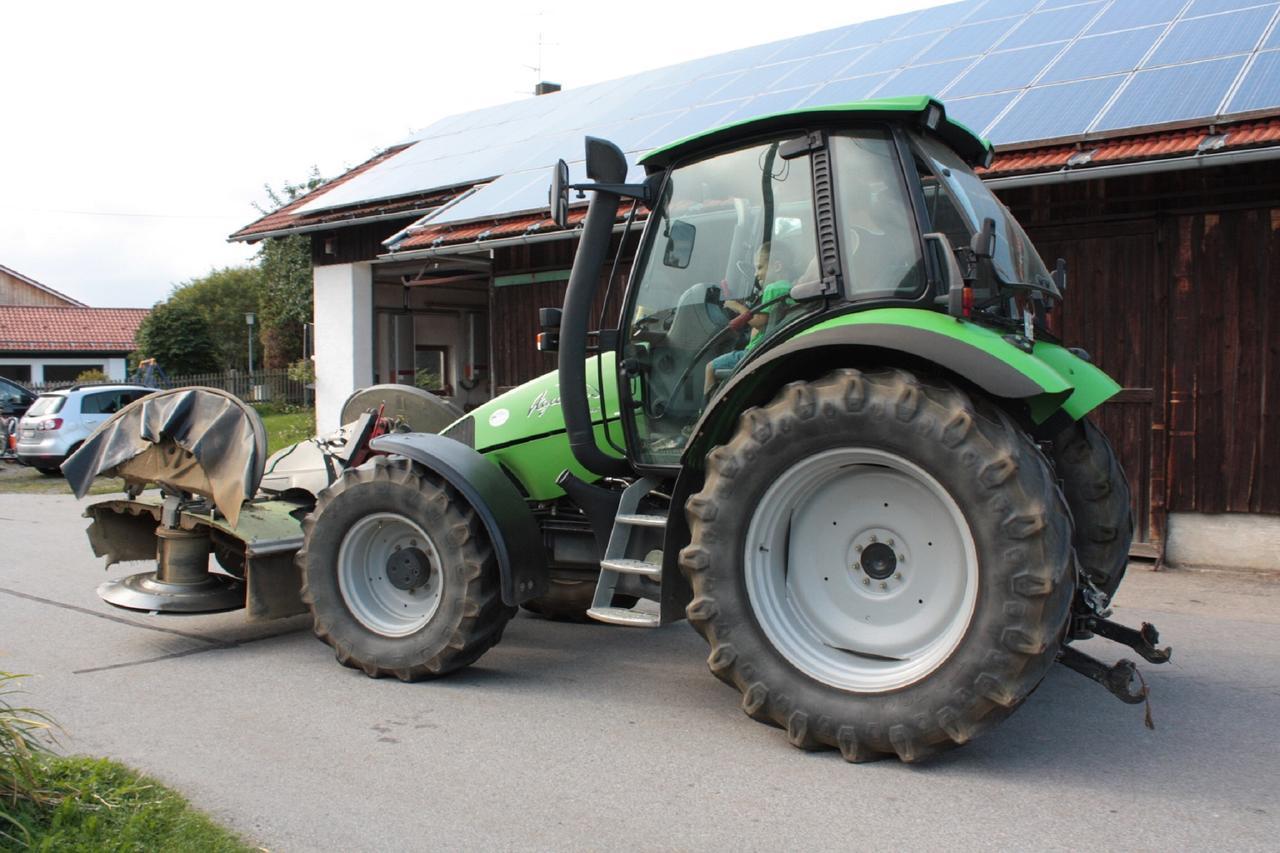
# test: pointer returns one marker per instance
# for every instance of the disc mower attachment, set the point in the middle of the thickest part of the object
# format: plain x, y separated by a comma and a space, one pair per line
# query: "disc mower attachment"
199, 441
419, 410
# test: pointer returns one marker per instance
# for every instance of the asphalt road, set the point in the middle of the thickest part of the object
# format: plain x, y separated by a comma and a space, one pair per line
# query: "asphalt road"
586, 736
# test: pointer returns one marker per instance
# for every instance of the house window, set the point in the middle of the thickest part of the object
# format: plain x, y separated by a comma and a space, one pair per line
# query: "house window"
18, 372
68, 372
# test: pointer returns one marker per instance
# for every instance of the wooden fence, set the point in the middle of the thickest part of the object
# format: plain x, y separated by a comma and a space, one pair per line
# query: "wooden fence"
262, 386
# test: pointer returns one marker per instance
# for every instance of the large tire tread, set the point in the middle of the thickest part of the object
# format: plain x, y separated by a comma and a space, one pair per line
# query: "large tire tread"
483, 616
1097, 491
980, 686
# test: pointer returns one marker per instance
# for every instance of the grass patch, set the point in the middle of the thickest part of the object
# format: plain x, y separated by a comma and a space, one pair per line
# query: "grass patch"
49, 802
91, 804
286, 425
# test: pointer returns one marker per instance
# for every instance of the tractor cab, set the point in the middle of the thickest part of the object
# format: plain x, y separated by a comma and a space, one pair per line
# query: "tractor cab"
759, 230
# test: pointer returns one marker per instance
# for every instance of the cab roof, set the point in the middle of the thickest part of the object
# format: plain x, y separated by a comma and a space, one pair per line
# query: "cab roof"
919, 110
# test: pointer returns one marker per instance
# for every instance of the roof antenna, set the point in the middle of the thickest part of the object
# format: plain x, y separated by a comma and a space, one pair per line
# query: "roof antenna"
540, 86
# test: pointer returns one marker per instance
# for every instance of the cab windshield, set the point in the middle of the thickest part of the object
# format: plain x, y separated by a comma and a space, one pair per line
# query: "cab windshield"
730, 238
1016, 261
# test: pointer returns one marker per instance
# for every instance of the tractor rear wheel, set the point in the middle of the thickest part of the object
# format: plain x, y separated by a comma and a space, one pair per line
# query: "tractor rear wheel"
1098, 493
880, 565
399, 574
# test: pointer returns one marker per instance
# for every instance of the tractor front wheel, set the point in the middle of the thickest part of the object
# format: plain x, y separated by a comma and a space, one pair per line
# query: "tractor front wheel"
880, 565
399, 575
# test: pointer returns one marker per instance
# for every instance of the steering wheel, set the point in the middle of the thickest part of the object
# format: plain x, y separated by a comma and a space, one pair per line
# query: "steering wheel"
737, 324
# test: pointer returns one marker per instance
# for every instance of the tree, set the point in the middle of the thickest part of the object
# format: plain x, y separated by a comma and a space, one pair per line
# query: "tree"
179, 337
223, 297
285, 263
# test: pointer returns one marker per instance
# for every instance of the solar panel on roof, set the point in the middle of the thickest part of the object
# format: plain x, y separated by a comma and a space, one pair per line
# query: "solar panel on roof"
1208, 7
997, 71
1065, 109
1260, 88
1172, 93
873, 32
1055, 25
1217, 35
1273, 40
1002, 9
802, 47
894, 54
770, 102
923, 79
1122, 16
970, 52
820, 69
978, 113
841, 91
757, 80
969, 41
938, 18
1096, 56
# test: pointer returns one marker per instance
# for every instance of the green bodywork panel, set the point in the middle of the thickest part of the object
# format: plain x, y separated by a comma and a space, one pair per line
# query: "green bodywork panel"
1091, 387
885, 107
523, 430
1066, 381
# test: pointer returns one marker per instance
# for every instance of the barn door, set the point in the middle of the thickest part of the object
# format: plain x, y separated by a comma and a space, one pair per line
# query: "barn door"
1114, 309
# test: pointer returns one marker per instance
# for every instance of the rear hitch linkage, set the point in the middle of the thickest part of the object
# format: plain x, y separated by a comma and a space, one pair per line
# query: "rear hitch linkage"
1122, 680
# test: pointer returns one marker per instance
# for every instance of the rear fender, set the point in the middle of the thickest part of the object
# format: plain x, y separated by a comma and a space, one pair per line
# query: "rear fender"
1048, 380
517, 541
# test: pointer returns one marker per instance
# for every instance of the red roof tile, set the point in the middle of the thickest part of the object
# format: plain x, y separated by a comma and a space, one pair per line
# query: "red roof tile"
1125, 149
287, 218
46, 328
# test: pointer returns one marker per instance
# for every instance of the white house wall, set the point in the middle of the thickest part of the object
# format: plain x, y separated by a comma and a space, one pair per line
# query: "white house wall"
115, 368
344, 337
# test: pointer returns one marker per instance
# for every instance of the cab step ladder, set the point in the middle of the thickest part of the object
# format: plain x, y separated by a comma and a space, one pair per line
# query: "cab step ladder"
636, 535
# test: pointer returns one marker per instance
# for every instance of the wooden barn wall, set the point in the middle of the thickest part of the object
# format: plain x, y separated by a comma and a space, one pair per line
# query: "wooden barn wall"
356, 243
514, 309
1175, 289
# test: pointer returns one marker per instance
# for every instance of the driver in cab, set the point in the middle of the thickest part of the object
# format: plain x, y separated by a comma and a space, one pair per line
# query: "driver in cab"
773, 272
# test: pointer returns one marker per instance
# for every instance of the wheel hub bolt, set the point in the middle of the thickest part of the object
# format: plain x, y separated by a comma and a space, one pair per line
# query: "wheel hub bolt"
866, 581
883, 585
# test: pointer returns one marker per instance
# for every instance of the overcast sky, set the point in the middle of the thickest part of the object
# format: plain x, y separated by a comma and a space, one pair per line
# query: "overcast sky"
134, 137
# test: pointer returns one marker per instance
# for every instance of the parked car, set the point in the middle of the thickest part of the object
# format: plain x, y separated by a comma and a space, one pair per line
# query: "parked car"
14, 399
59, 421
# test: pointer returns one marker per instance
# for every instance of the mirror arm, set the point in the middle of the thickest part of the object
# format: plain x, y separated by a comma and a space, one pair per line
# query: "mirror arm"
640, 192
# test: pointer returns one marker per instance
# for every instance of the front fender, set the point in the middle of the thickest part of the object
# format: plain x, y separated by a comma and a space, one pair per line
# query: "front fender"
517, 541
1048, 379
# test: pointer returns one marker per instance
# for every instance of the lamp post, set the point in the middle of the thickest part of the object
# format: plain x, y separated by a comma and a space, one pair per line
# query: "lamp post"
248, 321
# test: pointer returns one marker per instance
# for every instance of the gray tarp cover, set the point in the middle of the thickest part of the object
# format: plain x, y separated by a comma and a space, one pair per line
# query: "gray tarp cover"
199, 440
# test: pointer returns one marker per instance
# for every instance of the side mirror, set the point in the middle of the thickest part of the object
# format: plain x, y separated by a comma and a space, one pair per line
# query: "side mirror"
1060, 275
558, 197
679, 251
983, 243
953, 278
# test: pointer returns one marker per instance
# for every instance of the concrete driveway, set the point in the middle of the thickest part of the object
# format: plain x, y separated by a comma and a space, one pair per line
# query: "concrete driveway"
586, 736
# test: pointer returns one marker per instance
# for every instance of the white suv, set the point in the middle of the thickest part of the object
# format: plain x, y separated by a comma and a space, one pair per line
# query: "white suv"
59, 421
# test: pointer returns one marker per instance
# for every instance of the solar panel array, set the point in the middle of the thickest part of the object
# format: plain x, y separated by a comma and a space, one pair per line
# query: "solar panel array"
1014, 70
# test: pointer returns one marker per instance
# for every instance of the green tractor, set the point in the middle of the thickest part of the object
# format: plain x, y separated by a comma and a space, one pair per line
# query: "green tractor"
832, 430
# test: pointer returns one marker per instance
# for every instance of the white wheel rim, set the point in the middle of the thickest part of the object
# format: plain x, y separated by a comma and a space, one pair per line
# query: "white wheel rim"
366, 585
815, 563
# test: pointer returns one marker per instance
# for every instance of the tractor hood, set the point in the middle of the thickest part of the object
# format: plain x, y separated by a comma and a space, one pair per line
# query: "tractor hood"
523, 430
